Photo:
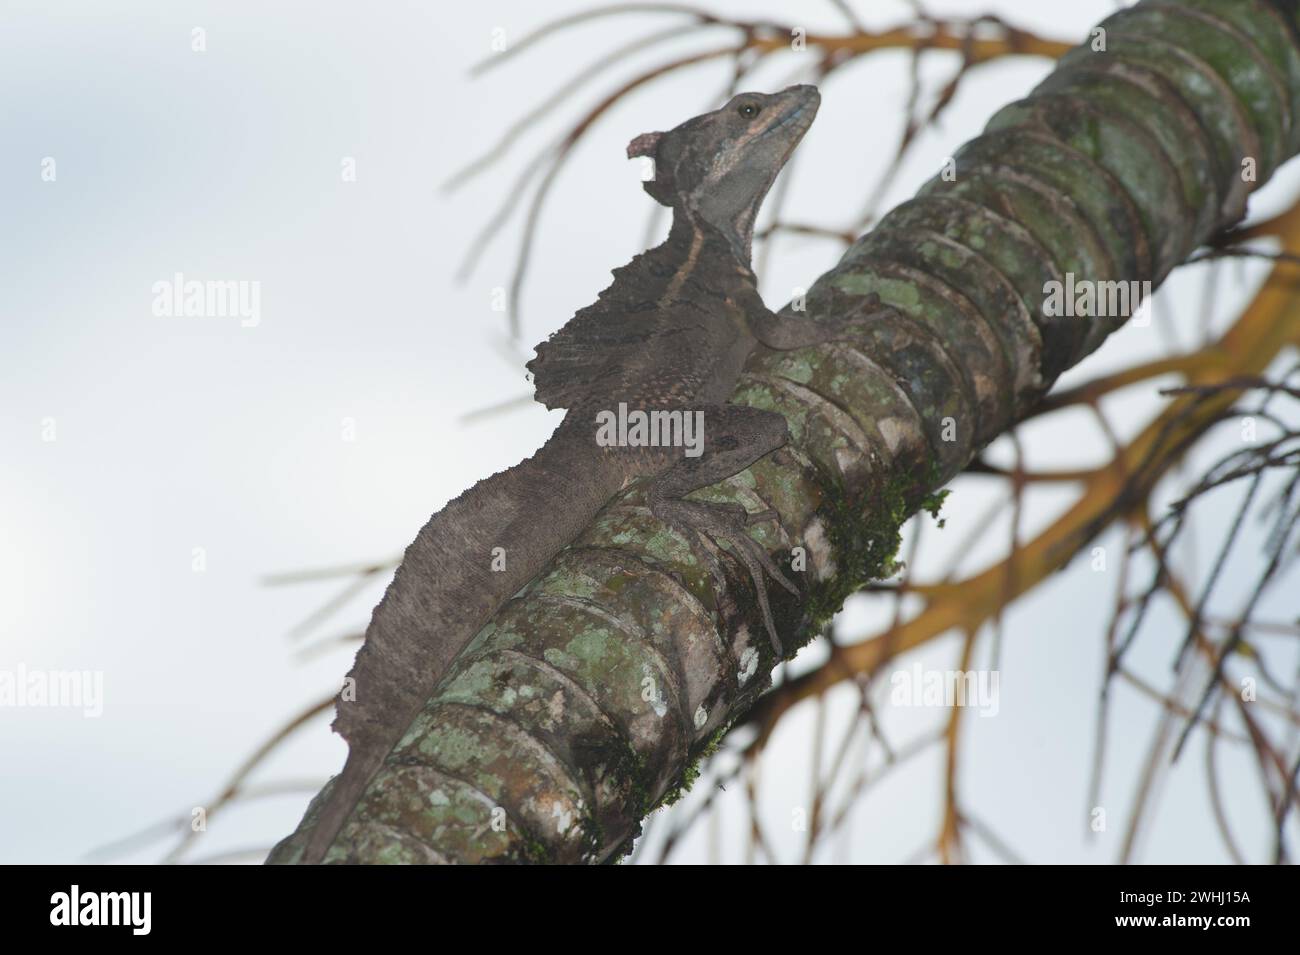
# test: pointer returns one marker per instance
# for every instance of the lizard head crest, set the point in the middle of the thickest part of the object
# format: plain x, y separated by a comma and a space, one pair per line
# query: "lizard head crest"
719, 166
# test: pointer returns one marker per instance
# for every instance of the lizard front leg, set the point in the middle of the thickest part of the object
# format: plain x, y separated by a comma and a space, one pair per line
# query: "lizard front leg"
786, 334
734, 438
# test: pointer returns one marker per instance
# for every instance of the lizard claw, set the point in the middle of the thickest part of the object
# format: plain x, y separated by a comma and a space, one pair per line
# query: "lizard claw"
852, 328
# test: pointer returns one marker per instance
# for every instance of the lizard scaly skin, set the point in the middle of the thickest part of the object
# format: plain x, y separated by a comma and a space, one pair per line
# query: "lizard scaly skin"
670, 334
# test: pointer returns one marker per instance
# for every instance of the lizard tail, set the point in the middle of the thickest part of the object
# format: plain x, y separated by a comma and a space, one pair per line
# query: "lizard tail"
468, 560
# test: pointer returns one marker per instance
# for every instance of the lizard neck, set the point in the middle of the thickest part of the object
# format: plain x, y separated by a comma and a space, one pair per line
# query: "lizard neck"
714, 257
697, 262
737, 237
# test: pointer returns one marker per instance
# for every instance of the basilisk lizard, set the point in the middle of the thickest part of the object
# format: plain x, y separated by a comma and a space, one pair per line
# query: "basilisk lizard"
672, 332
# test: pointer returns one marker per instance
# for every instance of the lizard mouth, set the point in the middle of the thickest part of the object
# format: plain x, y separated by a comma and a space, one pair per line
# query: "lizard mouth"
801, 113
791, 117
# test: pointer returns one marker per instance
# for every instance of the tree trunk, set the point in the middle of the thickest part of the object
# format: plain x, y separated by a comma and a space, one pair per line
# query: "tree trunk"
588, 699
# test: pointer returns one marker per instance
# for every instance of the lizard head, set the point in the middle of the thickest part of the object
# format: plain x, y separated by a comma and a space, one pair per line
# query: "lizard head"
718, 167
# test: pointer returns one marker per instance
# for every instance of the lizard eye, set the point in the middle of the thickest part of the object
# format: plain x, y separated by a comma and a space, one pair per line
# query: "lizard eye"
749, 111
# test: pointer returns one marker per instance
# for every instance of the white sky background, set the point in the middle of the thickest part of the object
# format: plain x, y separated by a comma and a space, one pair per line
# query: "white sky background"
177, 433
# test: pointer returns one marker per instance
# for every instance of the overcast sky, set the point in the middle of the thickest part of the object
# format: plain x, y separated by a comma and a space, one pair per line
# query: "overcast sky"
158, 467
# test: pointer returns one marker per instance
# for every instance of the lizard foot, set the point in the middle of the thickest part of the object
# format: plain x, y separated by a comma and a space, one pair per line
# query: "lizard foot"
784, 333
851, 328
727, 523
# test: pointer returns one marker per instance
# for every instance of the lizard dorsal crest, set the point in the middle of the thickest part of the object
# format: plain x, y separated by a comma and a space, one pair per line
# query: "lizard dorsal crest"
647, 144
644, 145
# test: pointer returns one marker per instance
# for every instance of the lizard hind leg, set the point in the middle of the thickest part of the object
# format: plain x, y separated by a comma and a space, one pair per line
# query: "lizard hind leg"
734, 438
